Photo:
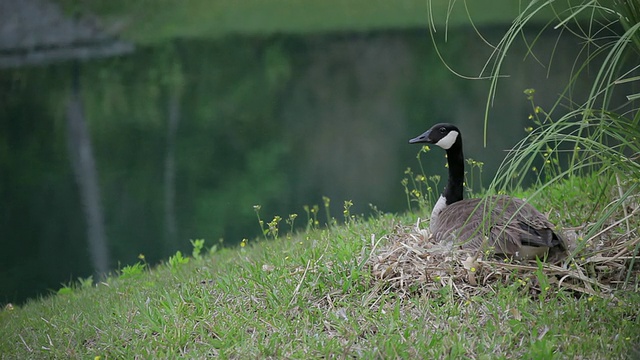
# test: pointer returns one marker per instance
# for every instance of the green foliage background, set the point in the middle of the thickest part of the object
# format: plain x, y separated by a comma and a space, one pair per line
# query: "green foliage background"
239, 142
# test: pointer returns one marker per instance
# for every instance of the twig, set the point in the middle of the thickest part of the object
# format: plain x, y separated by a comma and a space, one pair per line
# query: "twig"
29, 349
624, 207
295, 292
613, 225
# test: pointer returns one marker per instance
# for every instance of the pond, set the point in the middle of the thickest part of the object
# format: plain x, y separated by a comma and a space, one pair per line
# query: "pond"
188, 135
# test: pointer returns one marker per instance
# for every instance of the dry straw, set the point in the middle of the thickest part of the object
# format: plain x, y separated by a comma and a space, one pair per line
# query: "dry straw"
411, 262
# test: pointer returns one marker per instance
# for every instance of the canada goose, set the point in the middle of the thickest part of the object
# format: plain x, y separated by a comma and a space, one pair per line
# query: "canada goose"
511, 227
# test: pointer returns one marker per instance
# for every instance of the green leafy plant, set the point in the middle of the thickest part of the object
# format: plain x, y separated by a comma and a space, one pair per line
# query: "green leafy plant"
420, 189
80, 283
214, 249
132, 271
274, 226
347, 211
66, 289
598, 134
198, 245
290, 221
312, 216
177, 260
581, 134
85, 283
474, 174
264, 230
327, 211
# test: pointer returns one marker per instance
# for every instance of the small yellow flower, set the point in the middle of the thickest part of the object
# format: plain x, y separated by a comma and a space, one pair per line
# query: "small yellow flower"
141, 257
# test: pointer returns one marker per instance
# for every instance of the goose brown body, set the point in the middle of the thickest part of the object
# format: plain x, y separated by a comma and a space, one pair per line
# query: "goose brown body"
505, 225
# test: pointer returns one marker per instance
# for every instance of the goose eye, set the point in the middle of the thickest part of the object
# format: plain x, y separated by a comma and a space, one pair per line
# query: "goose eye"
442, 130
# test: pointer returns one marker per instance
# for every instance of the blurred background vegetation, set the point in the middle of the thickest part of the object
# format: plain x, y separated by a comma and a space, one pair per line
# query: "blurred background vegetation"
229, 104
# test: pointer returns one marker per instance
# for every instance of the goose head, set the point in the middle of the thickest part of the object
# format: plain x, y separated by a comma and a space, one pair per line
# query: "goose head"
443, 135
447, 136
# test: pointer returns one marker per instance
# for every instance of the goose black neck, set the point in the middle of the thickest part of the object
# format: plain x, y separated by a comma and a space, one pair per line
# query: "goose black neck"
455, 158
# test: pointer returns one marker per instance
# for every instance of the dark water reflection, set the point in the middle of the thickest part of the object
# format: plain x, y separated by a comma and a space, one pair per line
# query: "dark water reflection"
215, 127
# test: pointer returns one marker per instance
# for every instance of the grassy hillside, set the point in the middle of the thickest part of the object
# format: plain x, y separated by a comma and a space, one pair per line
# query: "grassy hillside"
152, 21
314, 295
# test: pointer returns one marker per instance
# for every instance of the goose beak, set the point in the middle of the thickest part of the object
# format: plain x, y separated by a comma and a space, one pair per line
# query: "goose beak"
424, 138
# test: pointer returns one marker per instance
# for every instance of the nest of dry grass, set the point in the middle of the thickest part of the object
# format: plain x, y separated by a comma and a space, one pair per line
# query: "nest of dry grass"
411, 262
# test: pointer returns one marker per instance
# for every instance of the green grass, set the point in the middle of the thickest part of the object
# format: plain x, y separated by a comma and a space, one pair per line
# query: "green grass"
311, 295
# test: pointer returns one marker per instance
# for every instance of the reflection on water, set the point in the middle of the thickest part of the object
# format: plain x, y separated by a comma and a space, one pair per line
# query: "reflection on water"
188, 136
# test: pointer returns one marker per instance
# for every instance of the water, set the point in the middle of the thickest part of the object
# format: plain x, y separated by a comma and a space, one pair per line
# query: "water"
189, 135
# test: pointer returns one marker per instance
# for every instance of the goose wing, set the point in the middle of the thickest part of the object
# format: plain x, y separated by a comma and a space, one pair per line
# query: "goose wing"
530, 226
510, 225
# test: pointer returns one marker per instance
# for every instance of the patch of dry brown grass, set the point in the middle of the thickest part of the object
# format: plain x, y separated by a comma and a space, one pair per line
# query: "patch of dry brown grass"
412, 262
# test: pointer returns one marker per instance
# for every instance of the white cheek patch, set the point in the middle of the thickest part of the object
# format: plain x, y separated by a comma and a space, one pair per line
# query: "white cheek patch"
448, 141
